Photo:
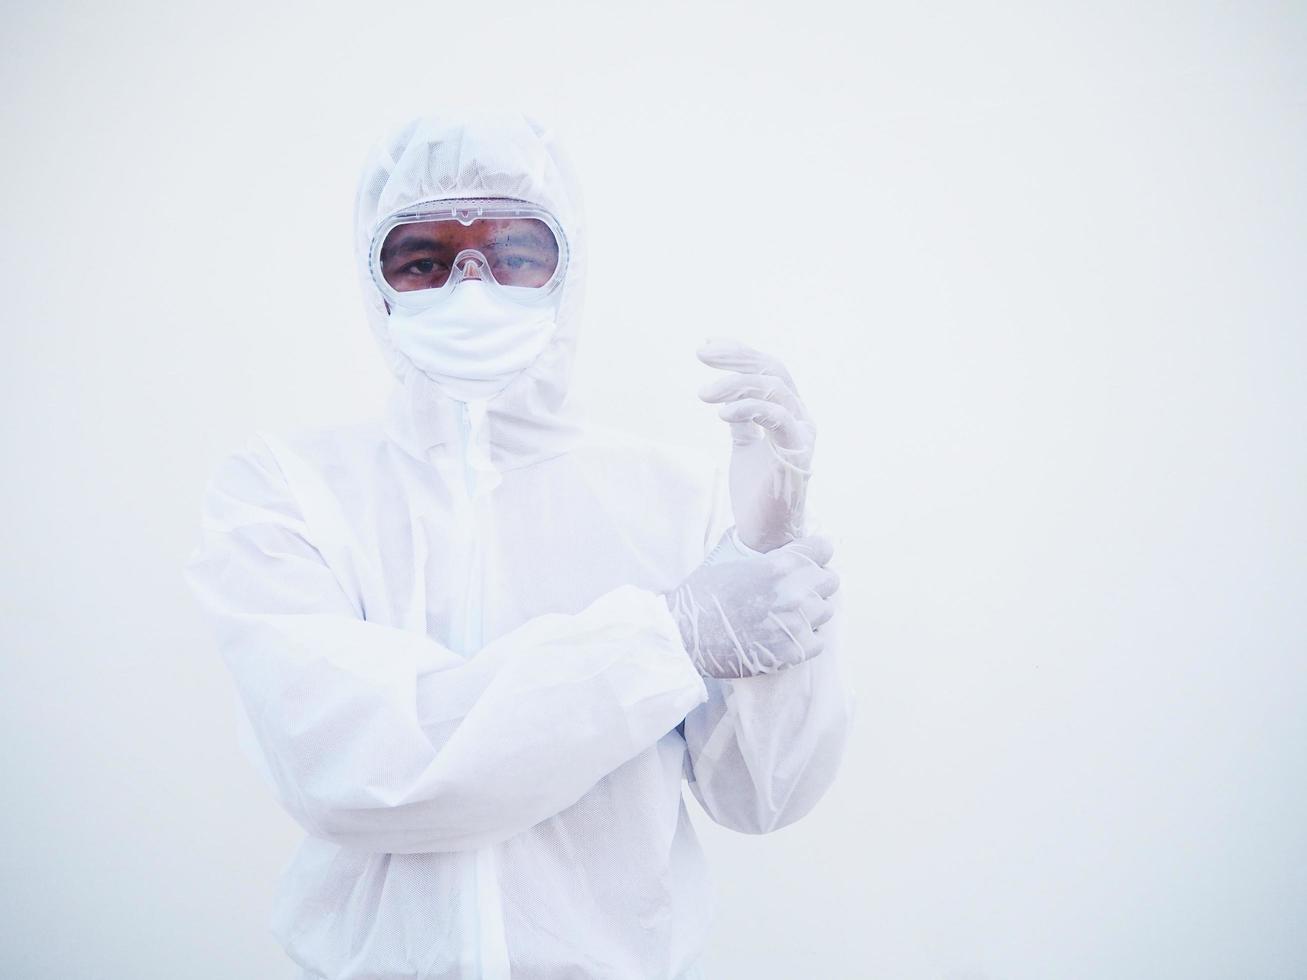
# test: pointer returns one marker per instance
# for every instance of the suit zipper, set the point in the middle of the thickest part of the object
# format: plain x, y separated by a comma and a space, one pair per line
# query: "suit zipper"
491, 952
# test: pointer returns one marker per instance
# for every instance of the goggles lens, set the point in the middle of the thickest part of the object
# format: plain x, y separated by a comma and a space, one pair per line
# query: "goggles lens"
422, 254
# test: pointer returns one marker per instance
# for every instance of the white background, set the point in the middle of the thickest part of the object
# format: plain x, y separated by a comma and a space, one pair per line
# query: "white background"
1041, 272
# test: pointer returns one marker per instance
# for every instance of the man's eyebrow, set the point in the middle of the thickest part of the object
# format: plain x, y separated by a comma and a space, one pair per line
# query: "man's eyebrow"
408, 244
533, 235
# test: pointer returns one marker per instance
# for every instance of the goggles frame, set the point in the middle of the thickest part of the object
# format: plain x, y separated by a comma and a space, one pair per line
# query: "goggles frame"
465, 210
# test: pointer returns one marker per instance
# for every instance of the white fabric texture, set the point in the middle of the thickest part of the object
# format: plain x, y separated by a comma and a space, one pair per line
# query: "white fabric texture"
456, 668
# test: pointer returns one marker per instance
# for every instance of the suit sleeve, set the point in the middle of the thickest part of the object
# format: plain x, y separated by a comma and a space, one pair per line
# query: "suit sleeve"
763, 750
384, 740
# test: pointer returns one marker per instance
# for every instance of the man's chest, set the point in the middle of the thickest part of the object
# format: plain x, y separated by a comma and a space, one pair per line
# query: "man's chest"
416, 551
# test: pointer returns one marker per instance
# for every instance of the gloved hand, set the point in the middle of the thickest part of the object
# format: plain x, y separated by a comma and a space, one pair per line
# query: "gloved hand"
756, 615
772, 440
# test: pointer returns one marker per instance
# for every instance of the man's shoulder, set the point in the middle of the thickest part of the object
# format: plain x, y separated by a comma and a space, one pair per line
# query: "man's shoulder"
333, 443
270, 456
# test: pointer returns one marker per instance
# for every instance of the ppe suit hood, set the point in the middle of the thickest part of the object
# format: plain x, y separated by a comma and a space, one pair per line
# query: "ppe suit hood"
453, 155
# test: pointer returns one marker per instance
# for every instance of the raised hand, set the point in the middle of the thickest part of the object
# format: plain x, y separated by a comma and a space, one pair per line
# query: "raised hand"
772, 439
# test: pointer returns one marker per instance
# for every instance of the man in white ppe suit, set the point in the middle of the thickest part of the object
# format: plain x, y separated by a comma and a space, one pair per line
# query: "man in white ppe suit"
479, 647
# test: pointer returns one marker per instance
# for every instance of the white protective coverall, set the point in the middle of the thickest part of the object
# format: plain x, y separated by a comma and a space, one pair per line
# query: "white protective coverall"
458, 672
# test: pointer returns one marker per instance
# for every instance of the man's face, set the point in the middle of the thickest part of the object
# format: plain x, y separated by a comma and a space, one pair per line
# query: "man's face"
420, 255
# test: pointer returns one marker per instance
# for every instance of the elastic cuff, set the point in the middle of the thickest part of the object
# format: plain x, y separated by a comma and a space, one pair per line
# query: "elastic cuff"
744, 549
730, 548
672, 632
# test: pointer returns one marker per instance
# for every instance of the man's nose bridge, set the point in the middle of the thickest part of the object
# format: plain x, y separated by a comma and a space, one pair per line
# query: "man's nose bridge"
471, 265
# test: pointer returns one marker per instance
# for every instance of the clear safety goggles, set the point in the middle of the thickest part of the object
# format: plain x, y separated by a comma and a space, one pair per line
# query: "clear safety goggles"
420, 254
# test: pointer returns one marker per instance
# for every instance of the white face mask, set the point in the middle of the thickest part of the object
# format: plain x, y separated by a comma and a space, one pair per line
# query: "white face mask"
474, 343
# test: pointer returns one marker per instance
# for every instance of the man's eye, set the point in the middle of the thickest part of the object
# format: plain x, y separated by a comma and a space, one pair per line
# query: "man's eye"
519, 261
422, 267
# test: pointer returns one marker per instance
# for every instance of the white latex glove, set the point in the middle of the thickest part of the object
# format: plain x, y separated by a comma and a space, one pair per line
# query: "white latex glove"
756, 615
772, 438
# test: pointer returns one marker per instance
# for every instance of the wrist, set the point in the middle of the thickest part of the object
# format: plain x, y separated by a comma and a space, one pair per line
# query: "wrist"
754, 546
730, 548
743, 549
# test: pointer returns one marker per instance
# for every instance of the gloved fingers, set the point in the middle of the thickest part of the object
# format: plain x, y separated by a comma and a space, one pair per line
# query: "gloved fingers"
806, 582
813, 644
800, 455
733, 387
746, 433
793, 626
808, 643
817, 610
818, 645
827, 583
787, 431
732, 355
813, 549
